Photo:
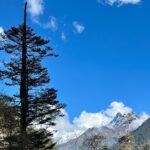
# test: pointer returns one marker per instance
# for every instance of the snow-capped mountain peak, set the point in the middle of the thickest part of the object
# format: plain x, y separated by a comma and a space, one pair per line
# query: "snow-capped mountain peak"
122, 120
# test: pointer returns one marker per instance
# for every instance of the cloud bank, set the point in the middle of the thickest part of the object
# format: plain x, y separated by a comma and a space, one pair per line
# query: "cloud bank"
119, 2
68, 130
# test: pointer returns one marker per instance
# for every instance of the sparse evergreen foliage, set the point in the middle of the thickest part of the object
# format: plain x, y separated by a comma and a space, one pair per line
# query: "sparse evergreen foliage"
127, 142
38, 139
9, 123
146, 147
38, 104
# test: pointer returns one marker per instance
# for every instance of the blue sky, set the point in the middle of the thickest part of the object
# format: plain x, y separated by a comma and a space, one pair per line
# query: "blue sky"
104, 50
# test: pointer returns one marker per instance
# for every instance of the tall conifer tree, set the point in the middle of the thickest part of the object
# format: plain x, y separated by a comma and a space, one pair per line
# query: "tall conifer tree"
38, 104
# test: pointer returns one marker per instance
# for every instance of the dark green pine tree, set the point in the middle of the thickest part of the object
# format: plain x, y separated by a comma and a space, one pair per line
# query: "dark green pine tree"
9, 123
38, 105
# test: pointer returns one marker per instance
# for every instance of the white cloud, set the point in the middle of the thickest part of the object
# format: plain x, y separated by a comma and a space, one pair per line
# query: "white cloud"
68, 130
35, 8
2, 35
1, 30
116, 107
52, 24
63, 36
79, 28
119, 2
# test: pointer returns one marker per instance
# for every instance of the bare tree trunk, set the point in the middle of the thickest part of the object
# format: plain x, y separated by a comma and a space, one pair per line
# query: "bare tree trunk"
23, 85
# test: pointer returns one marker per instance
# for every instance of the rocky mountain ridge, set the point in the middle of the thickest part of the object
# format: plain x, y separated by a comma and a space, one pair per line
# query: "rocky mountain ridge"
106, 136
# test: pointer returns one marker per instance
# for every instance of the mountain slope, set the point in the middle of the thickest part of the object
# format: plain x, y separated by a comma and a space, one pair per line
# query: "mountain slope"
142, 134
101, 137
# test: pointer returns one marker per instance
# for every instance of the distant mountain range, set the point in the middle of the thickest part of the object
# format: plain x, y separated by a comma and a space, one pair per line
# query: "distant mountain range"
110, 136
